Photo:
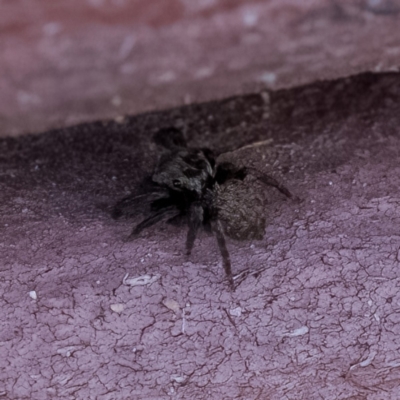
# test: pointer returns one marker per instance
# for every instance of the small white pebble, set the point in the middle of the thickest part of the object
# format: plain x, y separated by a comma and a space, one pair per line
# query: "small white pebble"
236, 312
297, 332
33, 295
118, 308
178, 378
330, 183
140, 280
98, 282
171, 304
369, 360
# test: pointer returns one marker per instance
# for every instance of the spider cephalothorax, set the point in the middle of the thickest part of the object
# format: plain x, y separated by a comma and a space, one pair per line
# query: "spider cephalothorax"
189, 184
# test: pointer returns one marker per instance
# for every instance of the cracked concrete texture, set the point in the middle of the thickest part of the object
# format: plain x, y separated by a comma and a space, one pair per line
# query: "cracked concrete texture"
317, 316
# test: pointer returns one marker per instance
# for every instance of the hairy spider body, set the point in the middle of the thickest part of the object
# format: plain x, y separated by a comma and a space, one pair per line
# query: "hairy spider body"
240, 210
188, 184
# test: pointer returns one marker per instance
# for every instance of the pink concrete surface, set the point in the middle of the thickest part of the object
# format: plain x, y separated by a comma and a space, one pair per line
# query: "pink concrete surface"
69, 61
316, 313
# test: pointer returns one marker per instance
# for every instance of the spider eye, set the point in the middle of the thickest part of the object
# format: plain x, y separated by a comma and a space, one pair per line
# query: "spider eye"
177, 183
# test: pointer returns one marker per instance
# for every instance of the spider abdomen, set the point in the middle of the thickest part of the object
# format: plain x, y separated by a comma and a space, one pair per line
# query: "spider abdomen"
240, 210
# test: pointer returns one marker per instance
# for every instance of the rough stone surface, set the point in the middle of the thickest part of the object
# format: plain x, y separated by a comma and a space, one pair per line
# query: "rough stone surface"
317, 317
71, 61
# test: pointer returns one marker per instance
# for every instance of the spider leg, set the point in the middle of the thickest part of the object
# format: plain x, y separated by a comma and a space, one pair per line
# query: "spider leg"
153, 219
226, 262
269, 180
128, 206
196, 215
227, 171
178, 220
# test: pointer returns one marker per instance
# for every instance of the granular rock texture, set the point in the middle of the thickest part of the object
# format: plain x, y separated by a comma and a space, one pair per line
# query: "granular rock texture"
315, 314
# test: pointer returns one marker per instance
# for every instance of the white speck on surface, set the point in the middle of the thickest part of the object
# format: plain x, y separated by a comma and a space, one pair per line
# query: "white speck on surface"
171, 304
118, 307
66, 351
268, 78
250, 18
367, 361
393, 364
98, 282
330, 183
370, 302
297, 332
178, 378
236, 312
33, 295
140, 280
376, 316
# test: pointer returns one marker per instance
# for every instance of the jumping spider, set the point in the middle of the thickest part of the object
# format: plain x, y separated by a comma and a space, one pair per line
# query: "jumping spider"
189, 184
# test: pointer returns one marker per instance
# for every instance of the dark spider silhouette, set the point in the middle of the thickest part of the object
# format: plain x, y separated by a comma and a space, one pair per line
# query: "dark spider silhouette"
189, 185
